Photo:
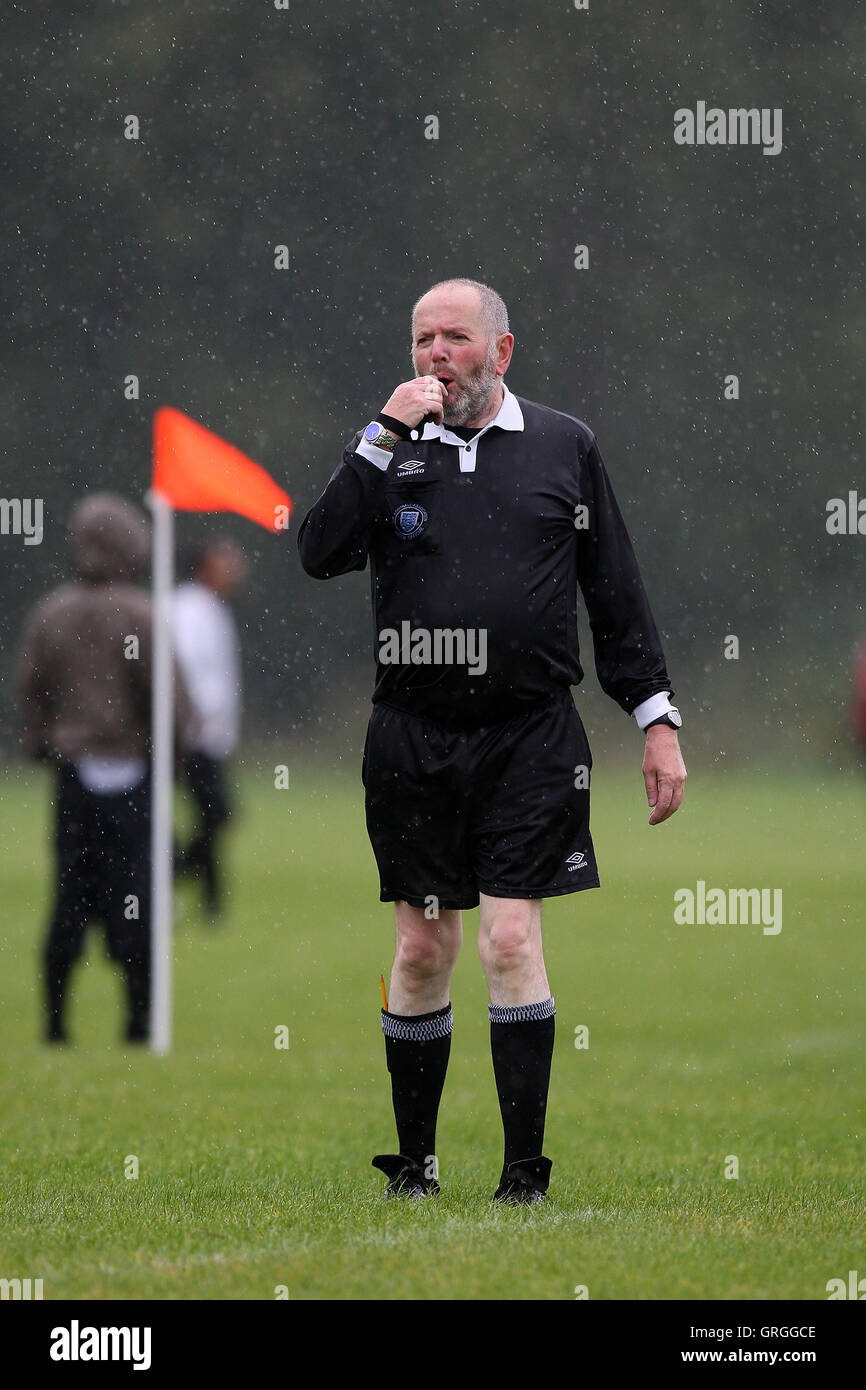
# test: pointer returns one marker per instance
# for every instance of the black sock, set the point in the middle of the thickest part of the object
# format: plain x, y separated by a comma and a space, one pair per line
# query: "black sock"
56, 976
417, 1047
137, 972
521, 1040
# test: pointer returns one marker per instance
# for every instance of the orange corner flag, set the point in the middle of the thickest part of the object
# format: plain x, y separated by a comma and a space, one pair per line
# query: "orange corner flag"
196, 471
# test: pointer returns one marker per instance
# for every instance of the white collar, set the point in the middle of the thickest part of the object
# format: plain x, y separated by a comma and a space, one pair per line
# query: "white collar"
508, 417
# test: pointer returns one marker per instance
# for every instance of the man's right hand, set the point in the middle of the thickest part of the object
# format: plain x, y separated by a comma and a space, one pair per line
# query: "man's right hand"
412, 400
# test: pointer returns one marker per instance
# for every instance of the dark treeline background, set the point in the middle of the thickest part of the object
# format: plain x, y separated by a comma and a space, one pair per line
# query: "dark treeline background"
306, 127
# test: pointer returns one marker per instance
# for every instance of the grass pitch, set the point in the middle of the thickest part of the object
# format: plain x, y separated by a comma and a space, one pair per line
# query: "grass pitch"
705, 1043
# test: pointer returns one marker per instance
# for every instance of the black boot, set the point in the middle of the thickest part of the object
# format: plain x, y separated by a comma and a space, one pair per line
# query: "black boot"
524, 1183
406, 1176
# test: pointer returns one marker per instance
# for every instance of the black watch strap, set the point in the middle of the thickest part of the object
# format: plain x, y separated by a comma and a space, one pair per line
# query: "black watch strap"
398, 427
662, 719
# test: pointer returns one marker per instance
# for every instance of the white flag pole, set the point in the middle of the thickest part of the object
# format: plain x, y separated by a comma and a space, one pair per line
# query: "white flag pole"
162, 725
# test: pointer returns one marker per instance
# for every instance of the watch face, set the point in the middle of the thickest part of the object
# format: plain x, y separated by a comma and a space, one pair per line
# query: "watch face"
372, 431
675, 717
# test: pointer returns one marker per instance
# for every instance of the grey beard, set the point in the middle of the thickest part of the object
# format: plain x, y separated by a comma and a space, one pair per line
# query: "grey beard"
474, 399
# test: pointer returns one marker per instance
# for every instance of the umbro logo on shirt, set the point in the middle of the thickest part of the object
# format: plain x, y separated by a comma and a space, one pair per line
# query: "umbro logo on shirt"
576, 861
409, 466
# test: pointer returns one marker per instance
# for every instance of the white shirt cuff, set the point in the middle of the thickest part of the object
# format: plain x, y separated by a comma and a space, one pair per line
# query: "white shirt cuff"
373, 454
653, 708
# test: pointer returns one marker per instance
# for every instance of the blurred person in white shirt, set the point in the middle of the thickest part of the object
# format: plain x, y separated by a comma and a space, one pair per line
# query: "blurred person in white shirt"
208, 654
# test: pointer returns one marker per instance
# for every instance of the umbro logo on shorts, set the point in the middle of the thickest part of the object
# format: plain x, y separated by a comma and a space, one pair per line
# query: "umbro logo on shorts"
409, 466
576, 861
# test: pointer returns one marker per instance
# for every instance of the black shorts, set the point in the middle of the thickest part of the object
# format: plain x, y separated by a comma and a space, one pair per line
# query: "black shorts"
103, 856
501, 810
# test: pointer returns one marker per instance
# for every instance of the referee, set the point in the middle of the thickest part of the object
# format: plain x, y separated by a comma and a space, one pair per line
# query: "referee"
480, 514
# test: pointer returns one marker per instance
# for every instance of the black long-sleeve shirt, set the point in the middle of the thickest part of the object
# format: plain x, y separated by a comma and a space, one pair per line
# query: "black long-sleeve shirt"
501, 550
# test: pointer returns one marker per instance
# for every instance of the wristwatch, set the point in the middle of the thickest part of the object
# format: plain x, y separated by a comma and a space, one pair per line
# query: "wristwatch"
382, 438
672, 718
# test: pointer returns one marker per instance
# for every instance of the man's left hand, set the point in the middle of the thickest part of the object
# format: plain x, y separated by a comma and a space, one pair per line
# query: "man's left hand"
664, 772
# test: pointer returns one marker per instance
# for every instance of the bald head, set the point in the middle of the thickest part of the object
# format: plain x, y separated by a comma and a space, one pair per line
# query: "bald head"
470, 296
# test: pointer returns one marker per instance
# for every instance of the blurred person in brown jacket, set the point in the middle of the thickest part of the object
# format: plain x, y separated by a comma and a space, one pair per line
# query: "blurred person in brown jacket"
84, 686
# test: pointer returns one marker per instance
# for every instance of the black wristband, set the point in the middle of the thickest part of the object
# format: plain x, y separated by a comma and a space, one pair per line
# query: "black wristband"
662, 719
397, 427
